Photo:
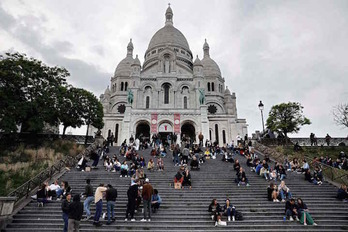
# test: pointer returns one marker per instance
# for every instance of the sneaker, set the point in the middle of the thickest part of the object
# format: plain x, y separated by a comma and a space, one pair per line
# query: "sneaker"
216, 223
291, 219
113, 171
125, 219
133, 220
149, 220
297, 219
143, 220
233, 218
104, 215
304, 224
283, 200
315, 224
238, 185
248, 185
120, 175
229, 218
212, 217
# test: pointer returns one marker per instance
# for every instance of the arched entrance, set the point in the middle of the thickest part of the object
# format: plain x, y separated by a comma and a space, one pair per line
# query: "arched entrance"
188, 132
165, 132
143, 131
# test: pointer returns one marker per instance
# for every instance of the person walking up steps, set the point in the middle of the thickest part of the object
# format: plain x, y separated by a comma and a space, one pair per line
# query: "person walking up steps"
111, 195
98, 199
89, 198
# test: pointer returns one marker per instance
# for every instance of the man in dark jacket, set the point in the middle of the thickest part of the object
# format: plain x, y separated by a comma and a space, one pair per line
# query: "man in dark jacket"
291, 210
111, 195
75, 214
132, 194
89, 198
65, 209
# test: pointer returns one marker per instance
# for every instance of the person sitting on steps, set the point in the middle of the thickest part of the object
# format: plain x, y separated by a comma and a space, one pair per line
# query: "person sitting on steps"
160, 164
241, 178
284, 191
229, 210
178, 178
124, 169
150, 165
215, 210
291, 210
194, 164
272, 192
187, 179
303, 212
156, 201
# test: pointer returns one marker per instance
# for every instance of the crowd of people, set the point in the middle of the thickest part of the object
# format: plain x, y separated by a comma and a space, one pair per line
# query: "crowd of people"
188, 157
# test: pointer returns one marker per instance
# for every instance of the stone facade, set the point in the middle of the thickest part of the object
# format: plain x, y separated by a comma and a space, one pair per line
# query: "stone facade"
168, 91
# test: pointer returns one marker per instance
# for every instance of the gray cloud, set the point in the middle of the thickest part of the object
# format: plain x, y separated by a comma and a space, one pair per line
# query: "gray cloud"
274, 51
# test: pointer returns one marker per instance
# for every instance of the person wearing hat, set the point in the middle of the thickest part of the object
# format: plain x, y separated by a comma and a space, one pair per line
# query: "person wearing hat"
147, 196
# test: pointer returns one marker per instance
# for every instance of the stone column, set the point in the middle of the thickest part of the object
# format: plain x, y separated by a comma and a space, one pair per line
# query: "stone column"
125, 133
6, 210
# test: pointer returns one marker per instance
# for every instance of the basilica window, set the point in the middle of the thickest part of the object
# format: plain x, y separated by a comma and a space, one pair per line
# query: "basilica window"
212, 109
121, 108
116, 132
147, 102
166, 88
125, 86
185, 102
208, 86
216, 133
122, 84
224, 136
212, 86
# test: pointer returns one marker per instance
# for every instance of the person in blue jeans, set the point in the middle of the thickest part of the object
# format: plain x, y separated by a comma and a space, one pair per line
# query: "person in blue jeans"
111, 195
98, 199
65, 208
284, 191
229, 210
89, 199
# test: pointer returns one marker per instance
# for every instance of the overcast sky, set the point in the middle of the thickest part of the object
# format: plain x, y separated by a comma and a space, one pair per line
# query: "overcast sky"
274, 51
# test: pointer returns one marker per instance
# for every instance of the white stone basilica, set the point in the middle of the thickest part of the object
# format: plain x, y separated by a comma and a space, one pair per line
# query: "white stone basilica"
170, 93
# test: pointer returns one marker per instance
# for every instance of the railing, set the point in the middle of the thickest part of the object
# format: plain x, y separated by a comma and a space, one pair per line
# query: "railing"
69, 161
304, 141
334, 174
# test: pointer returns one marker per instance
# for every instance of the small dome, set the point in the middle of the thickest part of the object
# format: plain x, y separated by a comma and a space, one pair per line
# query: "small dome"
136, 61
210, 67
197, 62
124, 67
227, 91
107, 91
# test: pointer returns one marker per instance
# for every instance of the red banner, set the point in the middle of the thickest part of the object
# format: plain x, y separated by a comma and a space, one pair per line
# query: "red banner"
177, 123
153, 123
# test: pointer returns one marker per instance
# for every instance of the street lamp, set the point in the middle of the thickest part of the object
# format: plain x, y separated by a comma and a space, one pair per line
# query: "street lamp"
261, 107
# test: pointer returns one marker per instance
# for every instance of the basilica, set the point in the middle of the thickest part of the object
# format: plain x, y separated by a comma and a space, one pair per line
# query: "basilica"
171, 92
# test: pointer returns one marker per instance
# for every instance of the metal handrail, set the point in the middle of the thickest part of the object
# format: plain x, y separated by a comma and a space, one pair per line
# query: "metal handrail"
27, 187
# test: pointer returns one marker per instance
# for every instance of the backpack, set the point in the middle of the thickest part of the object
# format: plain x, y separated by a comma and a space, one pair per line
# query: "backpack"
239, 216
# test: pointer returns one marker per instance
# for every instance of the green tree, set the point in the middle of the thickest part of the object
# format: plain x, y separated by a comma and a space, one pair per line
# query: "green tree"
93, 112
71, 108
29, 92
286, 118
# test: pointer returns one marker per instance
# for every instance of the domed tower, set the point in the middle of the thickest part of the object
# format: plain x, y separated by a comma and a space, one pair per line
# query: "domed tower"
213, 81
168, 50
123, 71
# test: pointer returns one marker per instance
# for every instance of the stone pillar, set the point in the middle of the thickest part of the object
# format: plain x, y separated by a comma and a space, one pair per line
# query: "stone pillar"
6, 210
204, 122
125, 133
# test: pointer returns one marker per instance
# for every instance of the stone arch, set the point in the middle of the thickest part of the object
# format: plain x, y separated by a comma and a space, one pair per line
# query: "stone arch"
188, 129
142, 130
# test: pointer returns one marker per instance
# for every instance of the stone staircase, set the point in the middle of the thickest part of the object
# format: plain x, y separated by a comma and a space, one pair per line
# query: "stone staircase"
186, 210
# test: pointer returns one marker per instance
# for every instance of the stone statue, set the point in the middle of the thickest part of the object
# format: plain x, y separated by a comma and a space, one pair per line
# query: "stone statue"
130, 96
201, 96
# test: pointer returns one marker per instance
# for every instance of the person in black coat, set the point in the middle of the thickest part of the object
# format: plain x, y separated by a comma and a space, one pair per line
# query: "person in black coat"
215, 210
75, 212
187, 178
111, 195
241, 177
132, 194
65, 208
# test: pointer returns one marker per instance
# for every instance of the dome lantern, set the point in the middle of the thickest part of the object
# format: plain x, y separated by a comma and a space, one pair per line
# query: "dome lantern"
130, 48
206, 49
169, 15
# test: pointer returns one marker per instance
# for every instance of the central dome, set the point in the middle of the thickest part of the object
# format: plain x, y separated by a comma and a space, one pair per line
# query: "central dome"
168, 35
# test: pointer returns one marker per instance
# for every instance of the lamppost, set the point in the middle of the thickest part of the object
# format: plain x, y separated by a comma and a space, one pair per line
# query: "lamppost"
261, 107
